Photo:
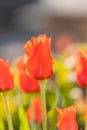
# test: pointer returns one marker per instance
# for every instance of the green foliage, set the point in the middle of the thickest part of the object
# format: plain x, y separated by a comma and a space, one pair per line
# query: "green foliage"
52, 119
2, 127
24, 125
65, 91
50, 99
36, 126
64, 84
61, 72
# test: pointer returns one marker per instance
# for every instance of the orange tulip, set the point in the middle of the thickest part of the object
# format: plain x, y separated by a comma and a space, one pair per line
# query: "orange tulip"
39, 62
6, 76
36, 112
81, 69
29, 114
85, 112
26, 83
67, 118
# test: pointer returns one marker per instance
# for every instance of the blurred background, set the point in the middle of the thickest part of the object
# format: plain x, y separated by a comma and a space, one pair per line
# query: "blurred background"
65, 21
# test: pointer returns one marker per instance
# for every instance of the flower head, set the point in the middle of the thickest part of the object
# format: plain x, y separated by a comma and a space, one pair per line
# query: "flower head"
81, 69
67, 118
6, 76
38, 60
26, 83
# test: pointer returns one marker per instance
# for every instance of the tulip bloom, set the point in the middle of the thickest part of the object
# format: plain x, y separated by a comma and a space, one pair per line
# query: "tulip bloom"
6, 76
39, 62
67, 118
81, 69
37, 111
26, 83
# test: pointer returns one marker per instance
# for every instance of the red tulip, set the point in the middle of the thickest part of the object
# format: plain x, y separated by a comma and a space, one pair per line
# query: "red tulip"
6, 76
29, 114
26, 83
85, 112
36, 112
39, 62
81, 69
67, 118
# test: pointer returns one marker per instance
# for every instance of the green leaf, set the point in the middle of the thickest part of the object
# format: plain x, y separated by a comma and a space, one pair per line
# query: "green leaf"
2, 127
61, 72
52, 119
37, 127
50, 99
24, 124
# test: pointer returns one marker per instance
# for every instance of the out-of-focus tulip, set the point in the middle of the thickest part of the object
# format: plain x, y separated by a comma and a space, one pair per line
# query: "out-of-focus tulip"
39, 62
81, 69
36, 113
67, 118
6, 76
26, 83
62, 43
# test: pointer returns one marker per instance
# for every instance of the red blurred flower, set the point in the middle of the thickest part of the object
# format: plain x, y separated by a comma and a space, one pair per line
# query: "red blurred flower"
39, 62
29, 114
6, 76
67, 118
81, 69
36, 112
62, 43
85, 112
26, 83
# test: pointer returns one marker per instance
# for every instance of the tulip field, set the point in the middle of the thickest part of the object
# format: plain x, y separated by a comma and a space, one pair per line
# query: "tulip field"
43, 90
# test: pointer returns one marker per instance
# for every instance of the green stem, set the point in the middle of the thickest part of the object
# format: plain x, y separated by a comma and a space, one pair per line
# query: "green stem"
21, 98
43, 101
9, 120
86, 114
31, 105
